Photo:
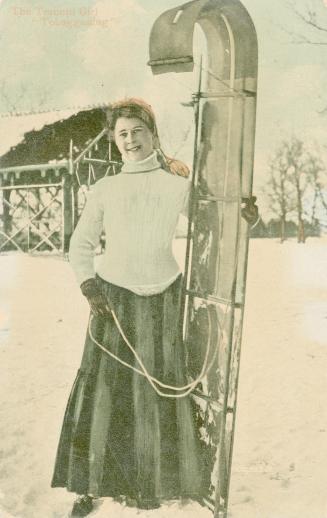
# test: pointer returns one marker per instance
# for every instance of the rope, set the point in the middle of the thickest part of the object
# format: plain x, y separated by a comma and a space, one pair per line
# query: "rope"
186, 389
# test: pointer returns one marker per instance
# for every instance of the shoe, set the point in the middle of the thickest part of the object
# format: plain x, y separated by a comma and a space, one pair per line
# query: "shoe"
82, 506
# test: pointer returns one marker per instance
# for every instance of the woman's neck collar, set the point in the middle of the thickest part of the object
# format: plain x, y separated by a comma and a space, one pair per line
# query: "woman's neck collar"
150, 163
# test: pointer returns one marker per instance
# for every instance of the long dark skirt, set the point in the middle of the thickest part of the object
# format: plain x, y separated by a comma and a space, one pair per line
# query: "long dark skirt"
119, 438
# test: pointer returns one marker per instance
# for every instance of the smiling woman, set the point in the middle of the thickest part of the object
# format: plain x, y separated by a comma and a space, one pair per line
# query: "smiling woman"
133, 139
132, 125
121, 436
129, 121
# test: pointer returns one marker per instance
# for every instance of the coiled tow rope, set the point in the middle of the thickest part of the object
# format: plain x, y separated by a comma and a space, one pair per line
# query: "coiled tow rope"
186, 389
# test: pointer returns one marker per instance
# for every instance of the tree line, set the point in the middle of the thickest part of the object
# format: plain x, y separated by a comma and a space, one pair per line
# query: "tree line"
295, 192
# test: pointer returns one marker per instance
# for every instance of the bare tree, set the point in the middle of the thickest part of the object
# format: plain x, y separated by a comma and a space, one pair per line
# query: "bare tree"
315, 20
296, 187
296, 158
317, 178
280, 188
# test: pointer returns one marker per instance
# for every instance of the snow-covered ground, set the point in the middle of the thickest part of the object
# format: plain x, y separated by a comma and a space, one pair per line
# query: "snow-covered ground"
280, 454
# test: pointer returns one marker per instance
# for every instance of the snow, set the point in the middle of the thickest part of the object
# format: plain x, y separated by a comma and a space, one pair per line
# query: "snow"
280, 451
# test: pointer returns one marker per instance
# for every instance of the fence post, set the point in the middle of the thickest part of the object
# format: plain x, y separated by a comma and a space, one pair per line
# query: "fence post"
6, 216
68, 201
67, 210
75, 185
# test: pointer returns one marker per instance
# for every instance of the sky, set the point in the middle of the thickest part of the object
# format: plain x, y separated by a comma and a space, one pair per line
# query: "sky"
60, 57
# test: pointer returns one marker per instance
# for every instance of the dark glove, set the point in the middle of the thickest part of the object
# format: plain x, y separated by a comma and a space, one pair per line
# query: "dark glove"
249, 210
97, 300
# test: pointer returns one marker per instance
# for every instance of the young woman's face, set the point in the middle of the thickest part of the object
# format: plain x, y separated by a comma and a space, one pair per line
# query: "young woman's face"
133, 139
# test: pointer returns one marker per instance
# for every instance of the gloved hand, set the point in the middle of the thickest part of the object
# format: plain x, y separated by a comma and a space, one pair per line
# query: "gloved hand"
249, 210
97, 300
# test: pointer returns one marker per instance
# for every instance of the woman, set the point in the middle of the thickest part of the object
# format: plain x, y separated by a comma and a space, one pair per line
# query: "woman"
119, 437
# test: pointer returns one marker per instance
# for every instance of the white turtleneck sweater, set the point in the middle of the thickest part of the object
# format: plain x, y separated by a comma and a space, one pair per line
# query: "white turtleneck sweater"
138, 210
